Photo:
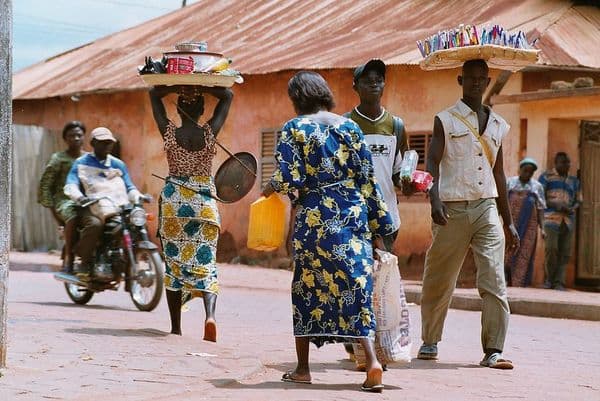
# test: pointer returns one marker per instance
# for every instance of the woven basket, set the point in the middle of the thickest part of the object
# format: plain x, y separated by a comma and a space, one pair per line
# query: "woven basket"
225, 81
501, 57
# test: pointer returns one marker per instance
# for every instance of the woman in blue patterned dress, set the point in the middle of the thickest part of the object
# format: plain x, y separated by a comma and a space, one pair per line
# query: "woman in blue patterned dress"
340, 216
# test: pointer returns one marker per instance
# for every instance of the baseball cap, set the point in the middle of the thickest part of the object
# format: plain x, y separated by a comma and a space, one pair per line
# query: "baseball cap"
373, 64
103, 134
528, 160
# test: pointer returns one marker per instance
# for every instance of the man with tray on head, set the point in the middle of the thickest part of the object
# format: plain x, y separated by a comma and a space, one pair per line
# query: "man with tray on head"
469, 191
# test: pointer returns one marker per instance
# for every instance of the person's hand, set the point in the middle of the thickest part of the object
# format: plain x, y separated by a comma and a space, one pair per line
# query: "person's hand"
162, 90
408, 187
543, 232
267, 190
217, 91
83, 200
512, 237
378, 244
439, 212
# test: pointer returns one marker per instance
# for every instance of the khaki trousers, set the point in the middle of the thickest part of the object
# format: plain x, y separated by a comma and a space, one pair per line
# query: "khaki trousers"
475, 224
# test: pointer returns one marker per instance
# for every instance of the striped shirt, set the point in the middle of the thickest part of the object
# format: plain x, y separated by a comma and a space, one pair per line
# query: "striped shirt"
560, 190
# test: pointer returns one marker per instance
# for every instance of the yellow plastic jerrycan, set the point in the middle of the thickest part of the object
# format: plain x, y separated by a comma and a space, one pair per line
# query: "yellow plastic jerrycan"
267, 223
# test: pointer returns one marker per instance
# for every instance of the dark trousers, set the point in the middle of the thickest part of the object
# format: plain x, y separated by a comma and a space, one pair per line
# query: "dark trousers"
91, 230
558, 252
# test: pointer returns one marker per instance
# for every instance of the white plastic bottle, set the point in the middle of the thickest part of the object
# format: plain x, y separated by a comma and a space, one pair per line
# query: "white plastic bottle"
410, 160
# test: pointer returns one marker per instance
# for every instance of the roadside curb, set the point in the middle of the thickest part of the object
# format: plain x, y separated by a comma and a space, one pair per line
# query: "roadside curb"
519, 305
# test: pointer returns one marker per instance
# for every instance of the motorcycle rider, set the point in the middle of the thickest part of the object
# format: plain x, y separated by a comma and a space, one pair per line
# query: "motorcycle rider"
52, 182
92, 176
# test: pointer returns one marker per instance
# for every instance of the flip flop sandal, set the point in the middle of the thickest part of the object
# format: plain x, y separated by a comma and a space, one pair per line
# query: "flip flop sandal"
377, 388
374, 375
287, 377
495, 361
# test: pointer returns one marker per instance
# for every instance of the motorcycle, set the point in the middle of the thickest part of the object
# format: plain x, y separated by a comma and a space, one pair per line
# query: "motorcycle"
125, 253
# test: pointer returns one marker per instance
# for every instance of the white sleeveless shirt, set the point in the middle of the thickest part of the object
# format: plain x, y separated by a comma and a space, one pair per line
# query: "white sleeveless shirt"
466, 174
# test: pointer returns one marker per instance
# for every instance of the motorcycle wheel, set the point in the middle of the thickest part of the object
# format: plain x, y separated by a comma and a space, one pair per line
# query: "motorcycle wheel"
147, 285
79, 295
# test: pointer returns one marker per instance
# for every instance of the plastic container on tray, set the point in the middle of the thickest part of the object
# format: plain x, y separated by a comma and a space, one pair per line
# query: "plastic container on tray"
267, 223
180, 65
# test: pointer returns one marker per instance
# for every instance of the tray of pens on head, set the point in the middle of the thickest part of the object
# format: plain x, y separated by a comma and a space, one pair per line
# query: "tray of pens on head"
498, 47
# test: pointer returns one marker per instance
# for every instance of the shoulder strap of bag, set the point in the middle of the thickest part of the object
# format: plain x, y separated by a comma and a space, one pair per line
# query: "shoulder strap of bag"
484, 146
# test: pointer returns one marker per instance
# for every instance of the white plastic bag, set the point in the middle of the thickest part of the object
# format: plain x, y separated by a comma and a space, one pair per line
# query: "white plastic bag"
392, 337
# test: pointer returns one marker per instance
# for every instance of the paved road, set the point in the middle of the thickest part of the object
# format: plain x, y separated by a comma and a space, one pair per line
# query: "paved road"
110, 351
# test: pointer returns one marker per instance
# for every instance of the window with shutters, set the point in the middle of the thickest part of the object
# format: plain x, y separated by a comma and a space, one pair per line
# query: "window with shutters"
268, 142
419, 141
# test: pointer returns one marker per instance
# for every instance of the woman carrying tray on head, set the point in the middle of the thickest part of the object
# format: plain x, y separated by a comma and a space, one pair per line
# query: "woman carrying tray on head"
189, 221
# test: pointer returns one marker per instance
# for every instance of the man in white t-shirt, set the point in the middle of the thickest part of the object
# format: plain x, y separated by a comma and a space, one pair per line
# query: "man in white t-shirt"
384, 133
385, 136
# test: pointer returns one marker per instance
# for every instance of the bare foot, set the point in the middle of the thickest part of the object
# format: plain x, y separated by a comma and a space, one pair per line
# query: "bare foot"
210, 330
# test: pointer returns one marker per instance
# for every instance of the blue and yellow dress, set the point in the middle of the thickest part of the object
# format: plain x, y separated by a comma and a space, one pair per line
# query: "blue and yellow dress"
340, 207
189, 221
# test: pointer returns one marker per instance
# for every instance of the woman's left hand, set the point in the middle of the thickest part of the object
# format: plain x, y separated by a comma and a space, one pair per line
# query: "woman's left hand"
378, 244
267, 189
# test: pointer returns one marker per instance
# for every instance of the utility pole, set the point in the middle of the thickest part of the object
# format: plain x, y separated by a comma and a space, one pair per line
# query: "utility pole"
5, 162
183, 3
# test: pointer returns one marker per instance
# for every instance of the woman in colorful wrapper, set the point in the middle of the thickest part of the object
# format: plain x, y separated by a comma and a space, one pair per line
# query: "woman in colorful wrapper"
189, 221
527, 204
340, 216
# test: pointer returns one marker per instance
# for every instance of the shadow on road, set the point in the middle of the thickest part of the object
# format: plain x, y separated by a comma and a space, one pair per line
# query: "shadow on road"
118, 332
432, 365
72, 305
279, 385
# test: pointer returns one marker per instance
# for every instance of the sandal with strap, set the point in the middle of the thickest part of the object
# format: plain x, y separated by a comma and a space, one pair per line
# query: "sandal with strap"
495, 361
373, 384
287, 377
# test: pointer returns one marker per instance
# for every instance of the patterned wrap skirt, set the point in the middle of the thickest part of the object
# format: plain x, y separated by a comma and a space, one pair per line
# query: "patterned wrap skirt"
189, 230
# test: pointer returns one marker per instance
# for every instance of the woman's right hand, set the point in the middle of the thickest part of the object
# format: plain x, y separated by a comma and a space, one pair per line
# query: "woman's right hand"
163, 90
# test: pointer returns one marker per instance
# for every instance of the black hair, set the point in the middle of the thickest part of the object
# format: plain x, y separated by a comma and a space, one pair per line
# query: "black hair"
70, 125
190, 106
475, 63
561, 154
310, 93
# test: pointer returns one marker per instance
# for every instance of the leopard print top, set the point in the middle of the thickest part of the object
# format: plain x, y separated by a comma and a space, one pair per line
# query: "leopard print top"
185, 163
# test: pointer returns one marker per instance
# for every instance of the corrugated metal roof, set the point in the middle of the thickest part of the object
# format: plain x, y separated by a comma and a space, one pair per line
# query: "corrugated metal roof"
264, 36
573, 39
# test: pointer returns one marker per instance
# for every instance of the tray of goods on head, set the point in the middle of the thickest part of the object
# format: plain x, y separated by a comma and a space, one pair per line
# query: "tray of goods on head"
498, 47
190, 64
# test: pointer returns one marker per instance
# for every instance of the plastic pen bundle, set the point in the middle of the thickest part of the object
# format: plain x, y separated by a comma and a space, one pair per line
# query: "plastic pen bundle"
467, 35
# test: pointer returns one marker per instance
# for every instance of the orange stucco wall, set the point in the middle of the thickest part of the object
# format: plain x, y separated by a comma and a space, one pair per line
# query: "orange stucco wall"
261, 102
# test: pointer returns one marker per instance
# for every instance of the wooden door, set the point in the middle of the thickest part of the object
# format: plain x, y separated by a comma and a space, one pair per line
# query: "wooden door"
588, 261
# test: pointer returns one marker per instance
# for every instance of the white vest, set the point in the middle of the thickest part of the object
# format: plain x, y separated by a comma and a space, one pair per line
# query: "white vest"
465, 172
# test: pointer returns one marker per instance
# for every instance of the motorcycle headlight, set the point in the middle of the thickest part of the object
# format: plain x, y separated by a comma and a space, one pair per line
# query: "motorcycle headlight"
138, 216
